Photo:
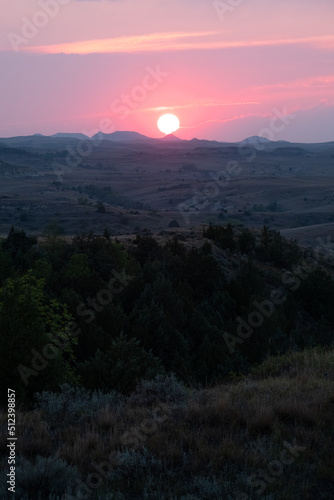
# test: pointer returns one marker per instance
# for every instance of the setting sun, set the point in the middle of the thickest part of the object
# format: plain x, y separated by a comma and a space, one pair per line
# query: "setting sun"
168, 123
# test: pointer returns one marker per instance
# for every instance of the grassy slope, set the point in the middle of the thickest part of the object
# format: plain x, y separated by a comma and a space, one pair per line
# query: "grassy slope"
226, 441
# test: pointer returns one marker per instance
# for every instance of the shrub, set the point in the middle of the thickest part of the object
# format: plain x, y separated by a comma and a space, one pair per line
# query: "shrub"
84, 201
246, 241
221, 235
275, 248
206, 248
24, 217
120, 367
124, 219
28, 319
164, 388
18, 241
138, 463
112, 495
106, 234
173, 223
207, 488
74, 403
142, 476
100, 207
45, 478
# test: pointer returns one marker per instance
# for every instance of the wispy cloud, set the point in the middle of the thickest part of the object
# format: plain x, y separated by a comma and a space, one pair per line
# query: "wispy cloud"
197, 104
228, 120
134, 43
322, 81
172, 42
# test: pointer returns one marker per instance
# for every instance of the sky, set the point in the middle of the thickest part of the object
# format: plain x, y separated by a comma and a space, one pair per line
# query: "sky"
228, 69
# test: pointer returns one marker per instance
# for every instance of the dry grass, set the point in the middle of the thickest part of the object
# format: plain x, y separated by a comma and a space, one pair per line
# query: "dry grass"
233, 429
34, 435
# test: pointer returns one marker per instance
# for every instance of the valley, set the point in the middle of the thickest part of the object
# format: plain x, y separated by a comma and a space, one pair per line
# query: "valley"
157, 184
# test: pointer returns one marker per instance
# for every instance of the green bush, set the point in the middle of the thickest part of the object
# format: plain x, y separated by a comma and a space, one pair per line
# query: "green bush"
30, 326
120, 367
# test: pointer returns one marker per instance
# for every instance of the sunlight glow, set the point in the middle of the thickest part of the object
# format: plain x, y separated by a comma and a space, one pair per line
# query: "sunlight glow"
168, 123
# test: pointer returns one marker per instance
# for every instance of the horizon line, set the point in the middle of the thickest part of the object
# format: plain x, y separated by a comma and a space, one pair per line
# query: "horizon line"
254, 137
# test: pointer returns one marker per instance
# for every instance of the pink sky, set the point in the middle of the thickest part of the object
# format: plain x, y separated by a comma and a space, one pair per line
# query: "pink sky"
226, 68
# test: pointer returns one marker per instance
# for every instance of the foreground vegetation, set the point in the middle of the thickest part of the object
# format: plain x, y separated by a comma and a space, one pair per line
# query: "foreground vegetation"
166, 369
266, 435
94, 313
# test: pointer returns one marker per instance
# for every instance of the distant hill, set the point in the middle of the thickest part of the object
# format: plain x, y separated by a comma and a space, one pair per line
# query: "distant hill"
63, 139
289, 151
12, 171
123, 136
69, 136
171, 138
209, 144
262, 143
39, 141
195, 140
8, 152
256, 141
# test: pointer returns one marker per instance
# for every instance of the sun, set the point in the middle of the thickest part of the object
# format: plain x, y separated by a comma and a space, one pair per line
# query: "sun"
167, 124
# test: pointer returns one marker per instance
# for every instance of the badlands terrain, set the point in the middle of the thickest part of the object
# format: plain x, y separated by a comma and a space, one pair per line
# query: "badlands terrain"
127, 183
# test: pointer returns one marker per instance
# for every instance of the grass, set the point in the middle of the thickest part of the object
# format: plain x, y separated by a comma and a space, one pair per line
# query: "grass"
220, 442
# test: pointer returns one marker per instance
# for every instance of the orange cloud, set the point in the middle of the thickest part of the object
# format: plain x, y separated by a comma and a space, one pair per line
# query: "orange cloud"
136, 43
171, 42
